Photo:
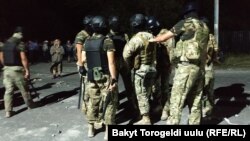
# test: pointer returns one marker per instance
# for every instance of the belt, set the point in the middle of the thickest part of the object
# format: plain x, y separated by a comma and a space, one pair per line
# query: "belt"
188, 63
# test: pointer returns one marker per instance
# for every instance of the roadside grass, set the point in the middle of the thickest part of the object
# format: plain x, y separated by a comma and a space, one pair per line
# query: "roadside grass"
234, 61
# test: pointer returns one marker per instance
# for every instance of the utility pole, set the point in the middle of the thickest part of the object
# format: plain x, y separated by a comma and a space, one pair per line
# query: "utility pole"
216, 20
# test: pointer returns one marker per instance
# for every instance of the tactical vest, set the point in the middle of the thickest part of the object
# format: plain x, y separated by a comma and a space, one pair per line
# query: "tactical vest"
95, 55
119, 43
148, 53
194, 49
11, 54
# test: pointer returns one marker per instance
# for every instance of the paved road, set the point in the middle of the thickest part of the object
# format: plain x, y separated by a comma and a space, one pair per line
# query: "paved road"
58, 119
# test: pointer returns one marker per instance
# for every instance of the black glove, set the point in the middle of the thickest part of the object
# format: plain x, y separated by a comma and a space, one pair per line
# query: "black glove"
82, 70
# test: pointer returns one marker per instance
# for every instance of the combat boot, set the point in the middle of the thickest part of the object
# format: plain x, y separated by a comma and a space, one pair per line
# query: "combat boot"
91, 130
8, 114
106, 133
164, 115
98, 125
171, 121
144, 121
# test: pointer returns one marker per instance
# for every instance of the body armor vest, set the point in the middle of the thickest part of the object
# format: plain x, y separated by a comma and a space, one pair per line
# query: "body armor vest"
148, 53
194, 49
11, 54
95, 55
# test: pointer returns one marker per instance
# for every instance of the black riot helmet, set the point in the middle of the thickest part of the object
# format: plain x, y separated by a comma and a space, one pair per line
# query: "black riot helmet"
190, 7
153, 25
87, 23
114, 23
99, 24
138, 22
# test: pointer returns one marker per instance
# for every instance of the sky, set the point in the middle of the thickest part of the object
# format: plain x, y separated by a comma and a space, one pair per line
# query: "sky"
50, 19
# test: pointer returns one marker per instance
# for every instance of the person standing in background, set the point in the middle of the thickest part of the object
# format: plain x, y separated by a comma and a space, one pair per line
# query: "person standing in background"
45, 49
56, 52
69, 49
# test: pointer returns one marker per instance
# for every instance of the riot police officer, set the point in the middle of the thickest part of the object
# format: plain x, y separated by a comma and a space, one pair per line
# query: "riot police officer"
99, 55
81, 37
191, 54
120, 39
16, 71
145, 69
79, 41
212, 55
164, 57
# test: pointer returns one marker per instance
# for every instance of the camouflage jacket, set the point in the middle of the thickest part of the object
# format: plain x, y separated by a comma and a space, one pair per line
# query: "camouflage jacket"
139, 48
192, 46
81, 37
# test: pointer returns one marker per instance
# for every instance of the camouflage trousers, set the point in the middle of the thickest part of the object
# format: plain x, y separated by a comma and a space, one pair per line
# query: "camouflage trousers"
85, 96
208, 96
97, 92
187, 86
13, 76
129, 89
161, 92
143, 88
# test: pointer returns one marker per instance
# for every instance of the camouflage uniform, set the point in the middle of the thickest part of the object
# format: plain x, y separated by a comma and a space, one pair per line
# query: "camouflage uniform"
13, 76
98, 90
139, 45
188, 81
80, 39
164, 56
208, 97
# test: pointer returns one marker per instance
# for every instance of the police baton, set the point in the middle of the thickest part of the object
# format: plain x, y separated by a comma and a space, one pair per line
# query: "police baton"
81, 90
81, 98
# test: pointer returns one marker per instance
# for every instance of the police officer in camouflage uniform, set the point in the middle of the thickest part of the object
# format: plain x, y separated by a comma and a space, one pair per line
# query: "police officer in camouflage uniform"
81, 37
120, 39
212, 53
16, 71
145, 71
79, 41
99, 54
189, 76
164, 59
